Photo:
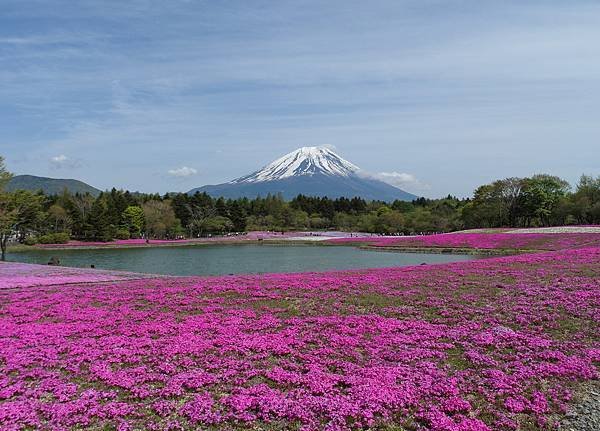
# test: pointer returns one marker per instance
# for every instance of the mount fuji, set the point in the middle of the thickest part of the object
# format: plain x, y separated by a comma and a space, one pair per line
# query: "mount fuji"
311, 171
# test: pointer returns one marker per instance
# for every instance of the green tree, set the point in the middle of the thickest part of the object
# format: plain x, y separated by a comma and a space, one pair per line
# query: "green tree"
510, 192
5, 176
316, 221
181, 204
197, 218
8, 221
59, 217
160, 219
494, 205
237, 214
402, 206
389, 221
586, 200
7, 212
116, 204
99, 221
133, 220
420, 220
541, 195
487, 208
217, 224
368, 222
20, 212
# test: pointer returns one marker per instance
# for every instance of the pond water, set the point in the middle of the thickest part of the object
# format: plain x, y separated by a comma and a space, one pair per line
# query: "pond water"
233, 259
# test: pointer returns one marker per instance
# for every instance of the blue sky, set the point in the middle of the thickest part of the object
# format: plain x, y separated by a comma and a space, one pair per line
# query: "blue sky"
169, 95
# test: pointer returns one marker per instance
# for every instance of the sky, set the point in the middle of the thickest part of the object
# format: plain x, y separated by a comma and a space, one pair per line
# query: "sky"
436, 97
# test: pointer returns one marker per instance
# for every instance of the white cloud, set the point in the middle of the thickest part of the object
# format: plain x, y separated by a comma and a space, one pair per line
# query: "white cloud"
61, 161
402, 180
183, 171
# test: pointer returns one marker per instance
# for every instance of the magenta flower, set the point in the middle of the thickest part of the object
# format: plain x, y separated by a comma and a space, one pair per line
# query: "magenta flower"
491, 344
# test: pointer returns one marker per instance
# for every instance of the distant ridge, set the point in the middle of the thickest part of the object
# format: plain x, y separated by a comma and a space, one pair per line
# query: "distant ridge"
50, 186
311, 171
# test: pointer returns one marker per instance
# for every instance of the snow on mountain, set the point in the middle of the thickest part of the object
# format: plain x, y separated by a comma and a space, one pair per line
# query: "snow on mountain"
311, 171
303, 161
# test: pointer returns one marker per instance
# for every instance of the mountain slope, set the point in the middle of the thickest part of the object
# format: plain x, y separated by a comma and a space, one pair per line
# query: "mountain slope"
50, 186
312, 171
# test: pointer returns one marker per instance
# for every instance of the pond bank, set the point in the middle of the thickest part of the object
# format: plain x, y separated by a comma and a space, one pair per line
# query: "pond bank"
438, 250
223, 259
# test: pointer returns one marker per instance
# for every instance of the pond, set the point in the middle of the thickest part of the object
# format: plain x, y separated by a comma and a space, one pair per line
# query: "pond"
233, 259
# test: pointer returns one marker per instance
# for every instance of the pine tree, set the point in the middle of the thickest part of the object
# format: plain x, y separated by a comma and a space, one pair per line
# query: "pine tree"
237, 216
99, 221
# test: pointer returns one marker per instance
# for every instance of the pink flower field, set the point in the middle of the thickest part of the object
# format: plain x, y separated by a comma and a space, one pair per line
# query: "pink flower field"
25, 275
496, 344
502, 241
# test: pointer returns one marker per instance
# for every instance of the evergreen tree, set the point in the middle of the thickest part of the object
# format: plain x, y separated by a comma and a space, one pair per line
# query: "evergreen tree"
99, 221
237, 215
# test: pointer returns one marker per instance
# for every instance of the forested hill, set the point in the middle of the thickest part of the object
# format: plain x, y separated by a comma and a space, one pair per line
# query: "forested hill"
50, 186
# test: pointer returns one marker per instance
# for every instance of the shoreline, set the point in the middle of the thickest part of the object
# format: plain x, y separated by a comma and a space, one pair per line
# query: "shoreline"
326, 242
295, 242
282, 241
450, 250
363, 241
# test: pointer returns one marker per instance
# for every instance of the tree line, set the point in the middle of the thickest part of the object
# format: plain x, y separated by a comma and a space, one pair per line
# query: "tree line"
540, 200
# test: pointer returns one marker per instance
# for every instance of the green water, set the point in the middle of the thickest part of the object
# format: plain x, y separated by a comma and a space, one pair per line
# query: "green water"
233, 259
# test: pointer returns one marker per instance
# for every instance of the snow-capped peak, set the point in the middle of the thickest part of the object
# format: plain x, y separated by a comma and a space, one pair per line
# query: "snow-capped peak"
303, 161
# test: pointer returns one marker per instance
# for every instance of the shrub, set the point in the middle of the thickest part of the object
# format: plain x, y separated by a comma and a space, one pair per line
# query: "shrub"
62, 237
122, 234
46, 239
31, 240
54, 238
